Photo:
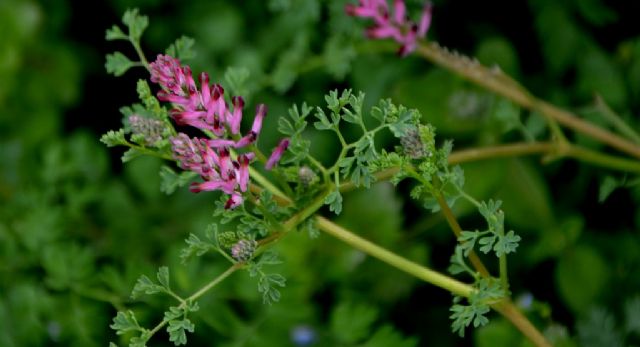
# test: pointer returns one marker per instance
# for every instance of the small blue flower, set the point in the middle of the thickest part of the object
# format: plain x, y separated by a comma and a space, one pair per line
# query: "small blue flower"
303, 335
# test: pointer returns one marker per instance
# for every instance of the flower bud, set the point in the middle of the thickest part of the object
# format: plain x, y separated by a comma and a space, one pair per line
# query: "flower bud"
243, 250
413, 145
306, 176
150, 129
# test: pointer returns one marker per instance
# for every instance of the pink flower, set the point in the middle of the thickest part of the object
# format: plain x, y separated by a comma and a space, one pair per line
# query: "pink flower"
277, 154
398, 27
206, 109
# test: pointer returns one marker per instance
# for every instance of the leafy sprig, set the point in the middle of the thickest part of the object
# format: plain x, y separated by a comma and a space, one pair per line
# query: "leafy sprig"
268, 283
488, 291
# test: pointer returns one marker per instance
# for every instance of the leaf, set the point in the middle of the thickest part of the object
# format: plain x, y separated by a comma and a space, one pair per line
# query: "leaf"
113, 138
115, 33
131, 154
334, 200
351, 322
163, 277
151, 103
526, 196
465, 315
597, 72
170, 180
237, 78
145, 286
507, 244
287, 65
177, 331
632, 315
387, 337
182, 48
598, 329
607, 186
487, 243
267, 287
285, 127
125, 322
338, 56
117, 64
581, 277
499, 333
136, 23
559, 36
195, 247
467, 241
324, 123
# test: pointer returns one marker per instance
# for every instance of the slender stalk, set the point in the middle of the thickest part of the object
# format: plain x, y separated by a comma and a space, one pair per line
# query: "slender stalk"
551, 149
615, 120
450, 284
511, 312
143, 59
504, 307
198, 294
255, 175
603, 160
509, 150
214, 282
498, 82
457, 230
504, 275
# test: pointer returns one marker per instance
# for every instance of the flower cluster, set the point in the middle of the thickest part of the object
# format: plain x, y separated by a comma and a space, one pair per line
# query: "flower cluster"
207, 110
396, 26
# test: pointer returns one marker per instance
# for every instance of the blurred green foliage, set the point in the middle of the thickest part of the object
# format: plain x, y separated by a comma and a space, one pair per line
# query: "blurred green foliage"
77, 229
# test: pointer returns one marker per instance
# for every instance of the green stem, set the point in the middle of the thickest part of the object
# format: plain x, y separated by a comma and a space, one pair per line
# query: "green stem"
603, 160
143, 59
498, 82
457, 230
452, 285
149, 151
504, 276
296, 219
256, 176
198, 294
214, 282
615, 120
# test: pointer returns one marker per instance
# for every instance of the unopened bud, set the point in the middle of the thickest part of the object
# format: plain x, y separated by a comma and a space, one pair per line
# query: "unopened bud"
227, 239
150, 129
243, 250
306, 176
413, 145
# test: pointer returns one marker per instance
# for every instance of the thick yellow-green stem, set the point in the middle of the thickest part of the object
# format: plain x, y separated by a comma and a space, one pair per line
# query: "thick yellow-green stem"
450, 284
498, 82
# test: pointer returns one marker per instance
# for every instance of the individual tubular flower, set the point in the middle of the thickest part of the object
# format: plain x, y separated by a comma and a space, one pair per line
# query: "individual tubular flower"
215, 167
277, 154
398, 26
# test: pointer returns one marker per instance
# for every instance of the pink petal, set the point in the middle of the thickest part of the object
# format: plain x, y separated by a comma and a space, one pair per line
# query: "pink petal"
399, 11
277, 154
261, 111
425, 20
234, 201
235, 118
246, 140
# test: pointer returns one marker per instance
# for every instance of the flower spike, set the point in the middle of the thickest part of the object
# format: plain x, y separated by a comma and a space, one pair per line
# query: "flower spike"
206, 109
396, 26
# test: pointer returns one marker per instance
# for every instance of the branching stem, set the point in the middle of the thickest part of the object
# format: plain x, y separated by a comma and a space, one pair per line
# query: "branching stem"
498, 82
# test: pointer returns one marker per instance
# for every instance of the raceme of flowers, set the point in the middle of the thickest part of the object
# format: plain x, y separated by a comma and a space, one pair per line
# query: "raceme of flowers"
207, 110
396, 26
